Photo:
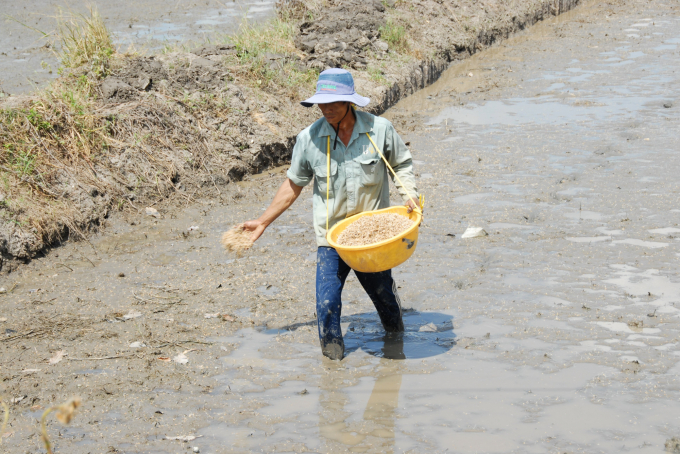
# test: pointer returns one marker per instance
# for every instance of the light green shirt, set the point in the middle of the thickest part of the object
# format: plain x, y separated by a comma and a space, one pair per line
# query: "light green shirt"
358, 174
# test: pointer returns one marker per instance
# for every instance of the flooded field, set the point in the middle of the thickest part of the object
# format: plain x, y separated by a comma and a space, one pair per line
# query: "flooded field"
26, 60
558, 332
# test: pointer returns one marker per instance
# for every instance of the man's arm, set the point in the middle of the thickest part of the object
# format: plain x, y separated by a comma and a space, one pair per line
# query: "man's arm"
299, 175
284, 198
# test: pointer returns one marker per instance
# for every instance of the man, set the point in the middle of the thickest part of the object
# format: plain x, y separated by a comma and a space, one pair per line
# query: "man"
358, 182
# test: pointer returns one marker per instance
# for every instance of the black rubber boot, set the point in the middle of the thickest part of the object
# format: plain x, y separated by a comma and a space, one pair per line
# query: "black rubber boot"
393, 325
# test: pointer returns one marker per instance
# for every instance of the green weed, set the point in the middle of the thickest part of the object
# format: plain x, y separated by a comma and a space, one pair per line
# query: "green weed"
255, 43
376, 75
394, 34
38, 121
21, 160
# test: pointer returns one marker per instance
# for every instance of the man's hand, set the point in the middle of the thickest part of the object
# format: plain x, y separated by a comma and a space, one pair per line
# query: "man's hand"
285, 196
256, 228
412, 204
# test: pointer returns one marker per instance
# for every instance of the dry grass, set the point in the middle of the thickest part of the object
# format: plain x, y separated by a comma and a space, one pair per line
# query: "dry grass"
5, 418
55, 134
65, 414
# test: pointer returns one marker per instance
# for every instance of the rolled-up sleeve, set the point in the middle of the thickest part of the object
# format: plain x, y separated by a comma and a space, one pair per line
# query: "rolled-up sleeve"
399, 157
300, 171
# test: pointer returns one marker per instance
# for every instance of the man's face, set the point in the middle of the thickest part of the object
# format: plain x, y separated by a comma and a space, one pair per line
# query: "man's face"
334, 112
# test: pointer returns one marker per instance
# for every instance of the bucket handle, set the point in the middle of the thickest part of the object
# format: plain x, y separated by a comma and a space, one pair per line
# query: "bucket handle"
421, 198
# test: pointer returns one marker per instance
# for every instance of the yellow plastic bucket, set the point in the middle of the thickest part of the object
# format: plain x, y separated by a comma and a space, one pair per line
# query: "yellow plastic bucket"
373, 258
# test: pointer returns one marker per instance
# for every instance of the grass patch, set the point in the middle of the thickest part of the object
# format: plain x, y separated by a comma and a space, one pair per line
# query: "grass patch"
55, 126
376, 71
395, 35
266, 56
55, 133
376, 75
84, 39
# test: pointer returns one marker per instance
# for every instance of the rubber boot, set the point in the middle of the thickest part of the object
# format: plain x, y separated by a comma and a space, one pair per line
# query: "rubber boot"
334, 350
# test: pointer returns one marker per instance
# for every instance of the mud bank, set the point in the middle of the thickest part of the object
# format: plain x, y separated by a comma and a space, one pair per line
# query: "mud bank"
177, 127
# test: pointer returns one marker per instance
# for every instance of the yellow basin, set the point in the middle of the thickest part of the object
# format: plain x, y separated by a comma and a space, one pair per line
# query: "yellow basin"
376, 257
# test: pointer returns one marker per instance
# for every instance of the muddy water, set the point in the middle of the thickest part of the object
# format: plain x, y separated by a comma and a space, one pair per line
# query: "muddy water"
558, 332
135, 25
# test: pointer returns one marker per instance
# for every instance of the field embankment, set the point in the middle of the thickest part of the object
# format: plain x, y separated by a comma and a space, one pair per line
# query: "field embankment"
123, 132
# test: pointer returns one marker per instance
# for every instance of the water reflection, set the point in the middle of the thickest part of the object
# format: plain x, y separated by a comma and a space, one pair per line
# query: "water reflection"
393, 346
427, 334
377, 427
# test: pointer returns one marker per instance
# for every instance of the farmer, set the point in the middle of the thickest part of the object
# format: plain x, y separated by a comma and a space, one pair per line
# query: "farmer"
358, 182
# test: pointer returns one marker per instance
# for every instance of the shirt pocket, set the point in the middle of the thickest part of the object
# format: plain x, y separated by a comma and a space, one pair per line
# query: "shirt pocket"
372, 170
321, 178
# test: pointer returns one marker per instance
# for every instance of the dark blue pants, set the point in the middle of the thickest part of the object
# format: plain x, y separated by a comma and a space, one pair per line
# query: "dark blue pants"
331, 273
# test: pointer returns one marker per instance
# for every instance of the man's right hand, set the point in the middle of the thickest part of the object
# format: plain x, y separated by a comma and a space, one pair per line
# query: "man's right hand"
285, 196
256, 228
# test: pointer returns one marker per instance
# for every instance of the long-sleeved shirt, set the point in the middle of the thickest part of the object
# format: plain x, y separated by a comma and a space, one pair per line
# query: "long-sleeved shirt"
358, 176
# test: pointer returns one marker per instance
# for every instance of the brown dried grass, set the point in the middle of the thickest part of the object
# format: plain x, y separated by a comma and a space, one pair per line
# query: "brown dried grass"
65, 414
54, 134
58, 144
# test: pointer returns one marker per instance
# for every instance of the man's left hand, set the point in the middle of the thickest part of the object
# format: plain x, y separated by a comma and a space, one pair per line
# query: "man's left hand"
412, 204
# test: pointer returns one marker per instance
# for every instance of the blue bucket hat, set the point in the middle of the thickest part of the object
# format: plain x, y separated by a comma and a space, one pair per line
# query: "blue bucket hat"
335, 85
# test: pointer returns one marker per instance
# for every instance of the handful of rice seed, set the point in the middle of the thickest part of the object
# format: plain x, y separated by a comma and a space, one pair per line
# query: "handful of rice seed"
237, 239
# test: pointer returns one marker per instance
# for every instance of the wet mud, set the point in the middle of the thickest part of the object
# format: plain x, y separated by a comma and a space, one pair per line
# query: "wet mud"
557, 332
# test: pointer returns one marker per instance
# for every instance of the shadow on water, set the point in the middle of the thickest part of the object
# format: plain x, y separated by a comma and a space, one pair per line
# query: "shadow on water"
340, 410
426, 334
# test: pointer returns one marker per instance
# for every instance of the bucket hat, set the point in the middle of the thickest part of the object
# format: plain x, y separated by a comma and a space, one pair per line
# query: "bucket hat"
335, 85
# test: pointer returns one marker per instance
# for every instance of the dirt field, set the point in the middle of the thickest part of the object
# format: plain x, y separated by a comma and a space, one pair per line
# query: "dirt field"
557, 332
